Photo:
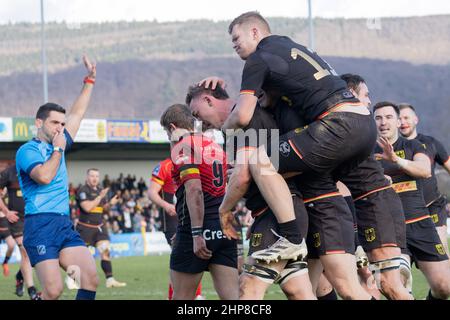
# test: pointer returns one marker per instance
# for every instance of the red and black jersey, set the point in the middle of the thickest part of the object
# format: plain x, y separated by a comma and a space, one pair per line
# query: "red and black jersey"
437, 153
163, 175
307, 81
197, 157
408, 188
8, 179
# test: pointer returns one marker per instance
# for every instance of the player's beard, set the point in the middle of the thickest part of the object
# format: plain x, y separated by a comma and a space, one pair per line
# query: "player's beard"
47, 135
408, 132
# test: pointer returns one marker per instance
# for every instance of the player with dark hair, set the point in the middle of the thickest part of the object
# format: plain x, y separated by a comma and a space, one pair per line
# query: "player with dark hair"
162, 193
407, 162
200, 245
49, 236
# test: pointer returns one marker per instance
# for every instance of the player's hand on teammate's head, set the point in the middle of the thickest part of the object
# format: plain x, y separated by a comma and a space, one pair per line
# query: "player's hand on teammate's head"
90, 67
212, 82
59, 140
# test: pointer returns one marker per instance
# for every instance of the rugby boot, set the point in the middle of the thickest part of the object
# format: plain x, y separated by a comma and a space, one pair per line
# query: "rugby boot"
113, 283
282, 249
19, 288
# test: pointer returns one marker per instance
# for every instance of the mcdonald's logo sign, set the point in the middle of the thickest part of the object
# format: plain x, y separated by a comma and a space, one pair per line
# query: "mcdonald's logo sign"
22, 129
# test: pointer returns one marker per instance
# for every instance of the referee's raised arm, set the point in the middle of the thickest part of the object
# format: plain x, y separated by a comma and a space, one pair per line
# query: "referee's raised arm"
80, 105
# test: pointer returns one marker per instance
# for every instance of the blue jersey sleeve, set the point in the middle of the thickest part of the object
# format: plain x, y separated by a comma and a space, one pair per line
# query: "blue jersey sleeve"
69, 140
28, 157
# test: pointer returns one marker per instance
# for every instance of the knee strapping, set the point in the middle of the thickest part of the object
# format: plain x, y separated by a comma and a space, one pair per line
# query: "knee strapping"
291, 270
103, 247
378, 267
405, 271
263, 273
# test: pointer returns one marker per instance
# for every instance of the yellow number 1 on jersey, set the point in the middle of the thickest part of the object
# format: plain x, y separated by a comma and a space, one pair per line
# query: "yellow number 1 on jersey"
321, 72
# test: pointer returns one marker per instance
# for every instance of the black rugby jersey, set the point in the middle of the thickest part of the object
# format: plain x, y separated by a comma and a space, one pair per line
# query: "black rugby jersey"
437, 153
262, 119
8, 179
408, 188
95, 216
309, 82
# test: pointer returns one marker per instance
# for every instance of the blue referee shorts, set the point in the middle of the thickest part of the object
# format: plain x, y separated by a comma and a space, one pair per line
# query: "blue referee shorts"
46, 234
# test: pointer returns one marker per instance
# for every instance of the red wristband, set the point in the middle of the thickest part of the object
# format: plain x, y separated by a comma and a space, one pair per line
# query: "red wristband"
88, 80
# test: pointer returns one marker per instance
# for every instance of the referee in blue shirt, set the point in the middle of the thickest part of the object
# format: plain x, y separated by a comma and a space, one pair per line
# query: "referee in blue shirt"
49, 236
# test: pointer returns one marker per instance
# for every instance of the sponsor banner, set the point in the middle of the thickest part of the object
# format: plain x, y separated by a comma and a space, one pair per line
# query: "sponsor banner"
6, 132
124, 245
128, 131
137, 244
157, 133
24, 129
92, 130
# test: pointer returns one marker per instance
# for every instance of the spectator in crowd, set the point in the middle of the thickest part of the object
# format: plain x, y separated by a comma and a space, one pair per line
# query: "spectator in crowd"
141, 186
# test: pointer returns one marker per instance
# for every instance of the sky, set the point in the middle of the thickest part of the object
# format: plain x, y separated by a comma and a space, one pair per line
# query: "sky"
181, 10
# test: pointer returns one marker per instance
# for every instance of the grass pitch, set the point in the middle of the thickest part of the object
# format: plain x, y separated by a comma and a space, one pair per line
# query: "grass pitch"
147, 278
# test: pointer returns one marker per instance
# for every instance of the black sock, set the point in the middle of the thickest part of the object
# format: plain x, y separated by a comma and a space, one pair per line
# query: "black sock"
329, 296
430, 296
31, 291
107, 268
373, 298
84, 294
19, 276
6, 259
290, 231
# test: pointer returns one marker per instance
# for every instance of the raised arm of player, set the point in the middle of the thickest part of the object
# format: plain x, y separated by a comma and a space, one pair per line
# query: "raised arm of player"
80, 105
88, 205
154, 195
419, 167
195, 204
